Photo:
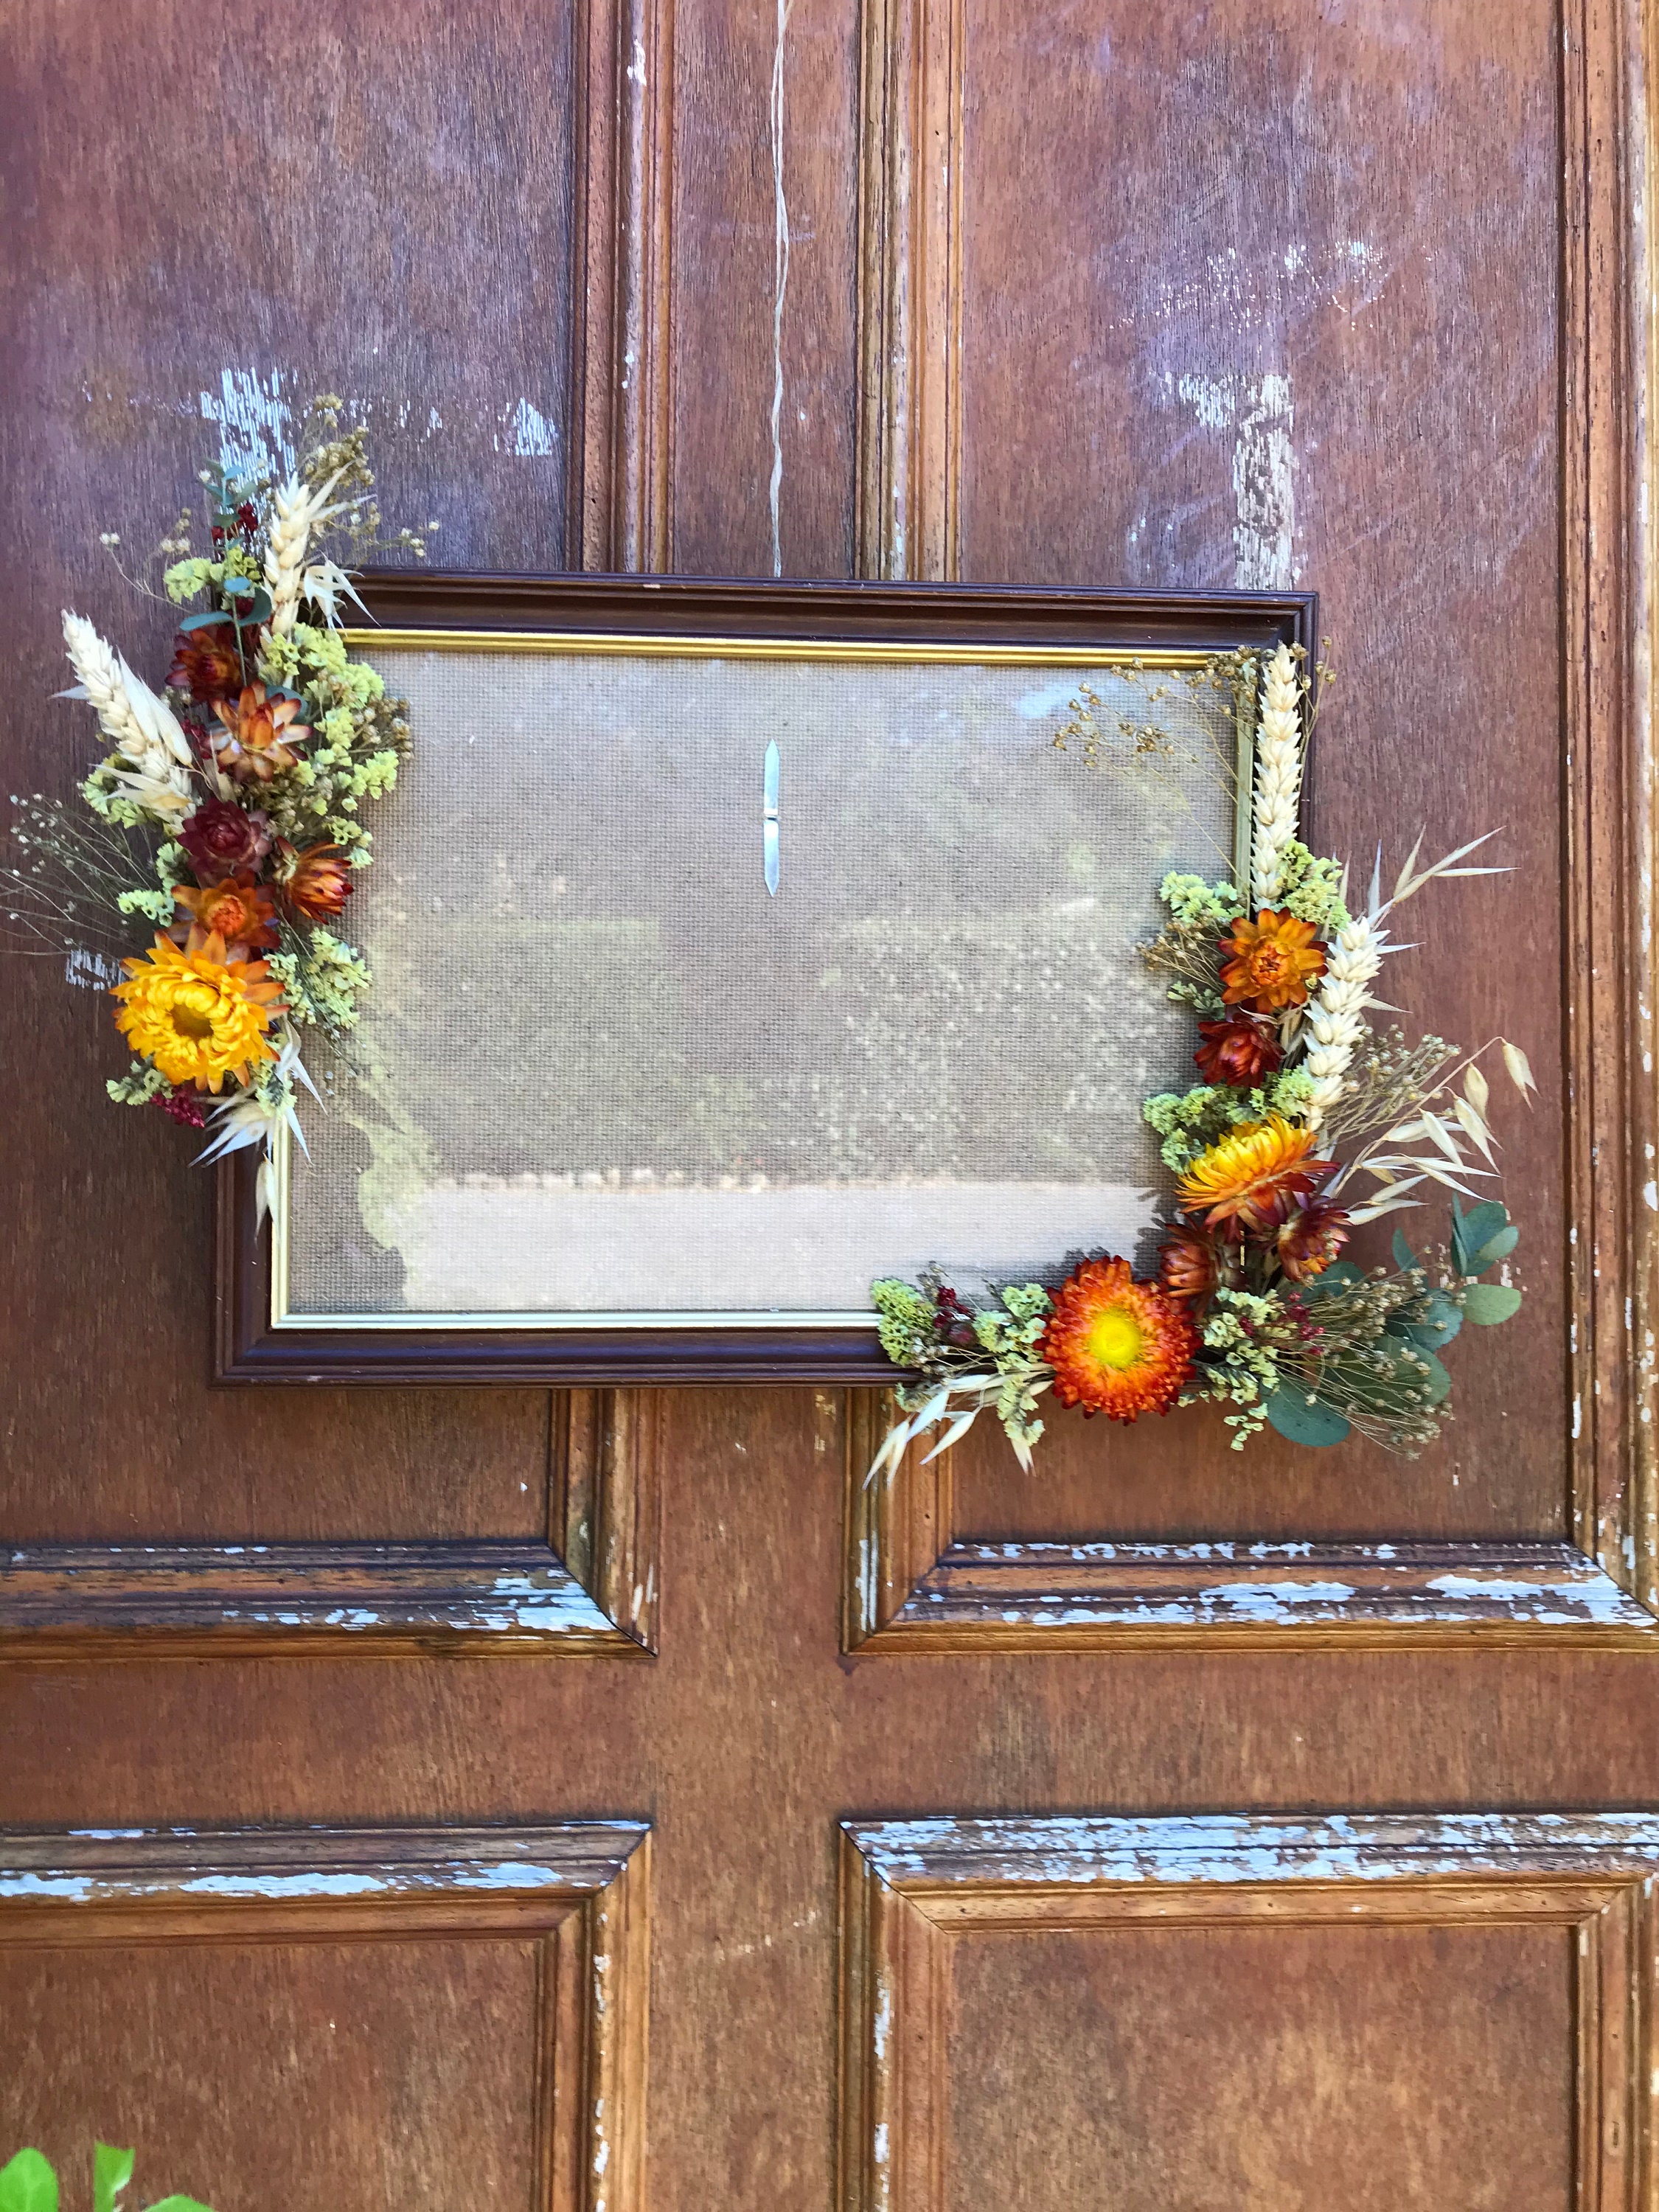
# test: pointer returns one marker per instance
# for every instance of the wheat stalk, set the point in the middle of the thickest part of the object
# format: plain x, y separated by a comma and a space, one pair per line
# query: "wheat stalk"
1336, 1018
1277, 775
141, 727
296, 510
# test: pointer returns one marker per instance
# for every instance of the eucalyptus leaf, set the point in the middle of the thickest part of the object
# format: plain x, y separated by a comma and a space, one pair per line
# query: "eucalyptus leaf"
1443, 1319
238, 588
112, 2170
1487, 1303
27, 2184
1494, 1249
1479, 1225
214, 618
1404, 1258
1303, 1420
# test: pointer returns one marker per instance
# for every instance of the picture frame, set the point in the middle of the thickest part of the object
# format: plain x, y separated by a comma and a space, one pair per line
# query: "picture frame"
759, 633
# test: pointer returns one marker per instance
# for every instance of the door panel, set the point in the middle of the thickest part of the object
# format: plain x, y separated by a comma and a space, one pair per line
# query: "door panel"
1213, 2012
430, 2016
1243, 292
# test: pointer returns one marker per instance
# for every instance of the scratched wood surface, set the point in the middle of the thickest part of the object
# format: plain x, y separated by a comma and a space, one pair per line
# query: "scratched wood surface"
1245, 292
1155, 2067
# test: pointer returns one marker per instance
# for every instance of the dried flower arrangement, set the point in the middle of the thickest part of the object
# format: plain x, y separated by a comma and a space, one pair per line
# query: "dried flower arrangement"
225, 816
1251, 1306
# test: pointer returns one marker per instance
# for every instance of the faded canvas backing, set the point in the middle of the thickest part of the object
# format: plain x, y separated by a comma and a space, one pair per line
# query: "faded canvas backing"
603, 1070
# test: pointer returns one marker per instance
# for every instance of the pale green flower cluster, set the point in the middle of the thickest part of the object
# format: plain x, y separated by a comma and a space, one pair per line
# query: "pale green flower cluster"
1197, 905
187, 580
157, 906
1243, 1370
1006, 1336
1190, 1123
905, 1325
138, 1086
111, 806
359, 737
1311, 887
322, 978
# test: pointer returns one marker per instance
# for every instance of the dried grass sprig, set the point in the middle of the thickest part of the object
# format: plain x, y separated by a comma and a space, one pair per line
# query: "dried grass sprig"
65, 889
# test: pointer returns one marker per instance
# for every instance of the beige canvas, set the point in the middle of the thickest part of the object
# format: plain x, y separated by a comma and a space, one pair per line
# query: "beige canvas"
605, 1069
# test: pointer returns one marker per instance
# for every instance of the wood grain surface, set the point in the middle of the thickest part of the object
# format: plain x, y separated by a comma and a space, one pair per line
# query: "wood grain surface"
1248, 294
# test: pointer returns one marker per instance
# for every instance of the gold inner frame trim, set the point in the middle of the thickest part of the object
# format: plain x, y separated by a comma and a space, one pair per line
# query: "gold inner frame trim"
616, 645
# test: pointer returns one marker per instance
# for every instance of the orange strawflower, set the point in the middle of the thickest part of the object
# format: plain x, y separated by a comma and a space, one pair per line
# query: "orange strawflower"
1270, 963
1257, 1175
196, 1015
255, 744
238, 909
1117, 1347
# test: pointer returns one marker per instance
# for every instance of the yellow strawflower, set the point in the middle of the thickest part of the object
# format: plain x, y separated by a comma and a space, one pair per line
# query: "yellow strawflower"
195, 1015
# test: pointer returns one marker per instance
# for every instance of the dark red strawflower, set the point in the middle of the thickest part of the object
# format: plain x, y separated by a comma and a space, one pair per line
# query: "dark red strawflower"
953, 1320
1189, 1264
222, 839
1237, 1051
317, 882
186, 1106
205, 661
1310, 1240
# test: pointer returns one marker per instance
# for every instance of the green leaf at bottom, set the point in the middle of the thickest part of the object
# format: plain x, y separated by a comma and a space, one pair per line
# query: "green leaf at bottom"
112, 2170
27, 2184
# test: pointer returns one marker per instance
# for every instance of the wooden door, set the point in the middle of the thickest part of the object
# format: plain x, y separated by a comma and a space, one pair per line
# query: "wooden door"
1172, 1829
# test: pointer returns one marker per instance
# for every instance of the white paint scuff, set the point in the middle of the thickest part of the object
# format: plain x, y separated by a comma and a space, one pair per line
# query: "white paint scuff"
1260, 413
534, 437
1227, 1848
93, 971
1264, 490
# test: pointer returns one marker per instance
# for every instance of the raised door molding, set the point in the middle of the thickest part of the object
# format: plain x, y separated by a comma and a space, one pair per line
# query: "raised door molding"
621, 378
913, 1889
910, 290
911, 1586
590, 1590
578, 1891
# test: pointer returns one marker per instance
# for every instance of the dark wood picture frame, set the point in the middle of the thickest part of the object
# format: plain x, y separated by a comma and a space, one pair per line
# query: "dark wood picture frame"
251, 1347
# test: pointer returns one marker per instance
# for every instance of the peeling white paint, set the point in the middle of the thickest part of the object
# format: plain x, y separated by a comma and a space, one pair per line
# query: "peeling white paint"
91, 971
1260, 413
534, 437
1230, 1848
1147, 1585
255, 421
1264, 490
